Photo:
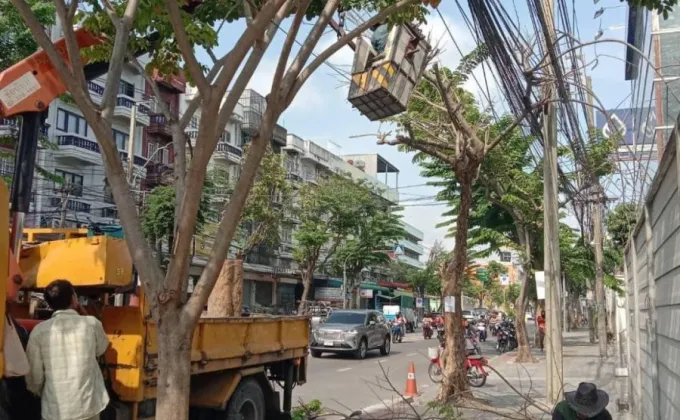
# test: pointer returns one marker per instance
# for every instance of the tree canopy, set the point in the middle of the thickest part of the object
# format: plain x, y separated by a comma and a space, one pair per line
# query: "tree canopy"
621, 222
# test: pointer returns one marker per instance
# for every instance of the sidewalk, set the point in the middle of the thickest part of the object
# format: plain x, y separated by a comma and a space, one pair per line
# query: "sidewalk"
581, 362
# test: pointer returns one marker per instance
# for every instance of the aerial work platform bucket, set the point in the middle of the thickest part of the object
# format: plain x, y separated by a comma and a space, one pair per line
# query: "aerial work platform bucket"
382, 86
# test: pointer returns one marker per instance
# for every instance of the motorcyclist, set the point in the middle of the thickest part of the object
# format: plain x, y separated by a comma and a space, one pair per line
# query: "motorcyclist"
401, 321
427, 324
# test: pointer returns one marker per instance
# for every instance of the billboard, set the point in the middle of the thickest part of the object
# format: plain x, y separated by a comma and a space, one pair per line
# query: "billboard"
636, 128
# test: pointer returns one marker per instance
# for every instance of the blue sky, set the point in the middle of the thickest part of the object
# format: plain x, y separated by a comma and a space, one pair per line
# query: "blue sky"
321, 112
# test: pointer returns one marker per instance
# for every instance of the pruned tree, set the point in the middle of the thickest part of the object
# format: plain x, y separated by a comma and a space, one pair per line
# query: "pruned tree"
263, 218
444, 123
172, 34
329, 213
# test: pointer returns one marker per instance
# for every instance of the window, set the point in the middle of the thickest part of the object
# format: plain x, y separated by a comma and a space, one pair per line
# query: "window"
120, 139
506, 257
68, 122
194, 123
126, 88
73, 183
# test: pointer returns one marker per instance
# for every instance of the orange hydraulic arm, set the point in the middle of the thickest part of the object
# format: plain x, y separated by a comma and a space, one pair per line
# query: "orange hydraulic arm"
33, 83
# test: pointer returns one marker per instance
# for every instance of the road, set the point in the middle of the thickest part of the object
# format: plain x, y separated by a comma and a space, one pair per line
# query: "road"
345, 384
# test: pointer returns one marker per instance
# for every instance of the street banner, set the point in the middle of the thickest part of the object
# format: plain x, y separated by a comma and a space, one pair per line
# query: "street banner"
540, 285
450, 304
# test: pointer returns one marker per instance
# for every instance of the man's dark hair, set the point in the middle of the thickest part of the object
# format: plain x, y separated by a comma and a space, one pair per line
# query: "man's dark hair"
59, 294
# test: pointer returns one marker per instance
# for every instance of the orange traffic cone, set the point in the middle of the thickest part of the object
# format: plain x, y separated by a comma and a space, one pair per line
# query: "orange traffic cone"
411, 388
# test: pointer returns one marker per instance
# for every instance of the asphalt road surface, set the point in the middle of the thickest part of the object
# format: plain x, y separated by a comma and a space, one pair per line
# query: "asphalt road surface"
345, 384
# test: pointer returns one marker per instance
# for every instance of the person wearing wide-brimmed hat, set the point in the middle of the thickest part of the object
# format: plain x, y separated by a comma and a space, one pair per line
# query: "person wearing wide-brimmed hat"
587, 402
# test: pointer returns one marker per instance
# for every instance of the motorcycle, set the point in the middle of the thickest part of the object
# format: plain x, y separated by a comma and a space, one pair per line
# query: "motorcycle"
481, 330
474, 366
427, 331
440, 332
397, 333
507, 338
473, 340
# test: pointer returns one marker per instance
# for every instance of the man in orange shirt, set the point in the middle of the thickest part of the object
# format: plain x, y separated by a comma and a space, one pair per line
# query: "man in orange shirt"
540, 321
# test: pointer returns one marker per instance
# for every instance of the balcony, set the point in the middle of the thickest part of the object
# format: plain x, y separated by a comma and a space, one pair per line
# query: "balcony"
251, 121
176, 83
96, 91
159, 126
309, 175
294, 144
77, 149
11, 127
123, 110
156, 174
228, 152
411, 261
316, 154
417, 248
279, 135
71, 205
138, 160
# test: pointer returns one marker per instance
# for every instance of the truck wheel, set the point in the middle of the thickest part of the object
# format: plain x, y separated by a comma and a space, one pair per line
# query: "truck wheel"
247, 402
316, 353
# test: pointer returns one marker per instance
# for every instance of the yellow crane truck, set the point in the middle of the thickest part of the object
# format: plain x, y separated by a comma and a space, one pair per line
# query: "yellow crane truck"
238, 364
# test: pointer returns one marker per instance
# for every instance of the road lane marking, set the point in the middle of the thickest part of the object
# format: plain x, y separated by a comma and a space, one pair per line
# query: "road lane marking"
412, 354
381, 361
344, 369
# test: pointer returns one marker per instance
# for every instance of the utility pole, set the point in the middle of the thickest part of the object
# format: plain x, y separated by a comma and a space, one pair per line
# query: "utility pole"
599, 270
553, 337
131, 145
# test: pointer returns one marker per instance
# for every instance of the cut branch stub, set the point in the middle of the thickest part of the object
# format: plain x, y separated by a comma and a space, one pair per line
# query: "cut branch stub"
220, 301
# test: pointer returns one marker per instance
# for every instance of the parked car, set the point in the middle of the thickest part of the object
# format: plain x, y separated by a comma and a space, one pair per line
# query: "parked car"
468, 315
352, 332
478, 312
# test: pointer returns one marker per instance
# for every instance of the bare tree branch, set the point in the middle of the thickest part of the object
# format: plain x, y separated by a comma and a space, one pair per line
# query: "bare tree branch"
184, 43
72, 47
117, 60
288, 44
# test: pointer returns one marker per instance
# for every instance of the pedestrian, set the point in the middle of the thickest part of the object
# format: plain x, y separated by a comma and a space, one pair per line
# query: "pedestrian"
63, 352
587, 402
540, 321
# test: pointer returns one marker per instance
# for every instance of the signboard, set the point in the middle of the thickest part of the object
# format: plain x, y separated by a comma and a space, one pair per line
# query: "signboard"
505, 279
589, 295
366, 293
540, 285
419, 302
634, 130
450, 304
482, 275
328, 293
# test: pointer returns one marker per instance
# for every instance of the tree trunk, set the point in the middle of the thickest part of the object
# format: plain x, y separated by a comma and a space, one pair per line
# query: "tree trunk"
237, 288
523, 347
307, 277
220, 302
174, 367
454, 381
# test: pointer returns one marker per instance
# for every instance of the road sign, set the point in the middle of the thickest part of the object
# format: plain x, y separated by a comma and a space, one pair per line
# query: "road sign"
482, 275
398, 250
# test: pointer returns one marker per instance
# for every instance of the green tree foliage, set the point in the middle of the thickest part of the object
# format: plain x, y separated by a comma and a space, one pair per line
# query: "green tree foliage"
663, 7
621, 222
265, 210
16, 40
374, 236
484, 290
424, 281
202, 21
329, 213
158, 214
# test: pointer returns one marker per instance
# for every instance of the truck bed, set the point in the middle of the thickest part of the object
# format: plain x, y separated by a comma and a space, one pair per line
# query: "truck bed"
218, 344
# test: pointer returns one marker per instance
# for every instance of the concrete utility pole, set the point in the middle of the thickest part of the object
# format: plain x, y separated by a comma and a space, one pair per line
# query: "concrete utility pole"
553, 337
131, 145
599, 270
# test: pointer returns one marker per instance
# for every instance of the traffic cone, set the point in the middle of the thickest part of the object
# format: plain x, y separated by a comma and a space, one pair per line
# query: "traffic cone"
411, 388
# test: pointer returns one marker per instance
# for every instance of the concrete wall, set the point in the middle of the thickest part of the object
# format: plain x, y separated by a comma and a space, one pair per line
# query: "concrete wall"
652, 262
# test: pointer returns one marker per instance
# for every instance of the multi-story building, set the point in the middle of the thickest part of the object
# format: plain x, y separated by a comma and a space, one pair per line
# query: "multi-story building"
508, 258
84, 196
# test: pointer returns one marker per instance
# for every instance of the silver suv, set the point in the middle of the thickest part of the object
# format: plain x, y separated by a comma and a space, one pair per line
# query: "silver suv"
352, 331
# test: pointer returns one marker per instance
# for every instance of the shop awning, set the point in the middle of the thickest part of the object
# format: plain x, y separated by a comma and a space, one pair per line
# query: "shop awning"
373, 286
334, 282
403, 293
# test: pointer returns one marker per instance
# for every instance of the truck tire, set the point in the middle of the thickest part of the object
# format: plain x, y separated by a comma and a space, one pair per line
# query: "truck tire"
247, 402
